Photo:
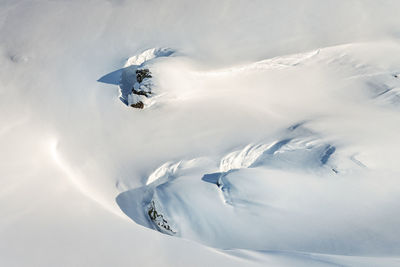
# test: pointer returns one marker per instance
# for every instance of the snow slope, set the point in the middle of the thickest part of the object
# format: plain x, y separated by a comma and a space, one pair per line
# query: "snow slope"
249, 198
271, 138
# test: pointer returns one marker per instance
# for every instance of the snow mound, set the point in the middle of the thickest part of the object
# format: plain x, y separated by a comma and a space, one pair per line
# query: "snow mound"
198, 200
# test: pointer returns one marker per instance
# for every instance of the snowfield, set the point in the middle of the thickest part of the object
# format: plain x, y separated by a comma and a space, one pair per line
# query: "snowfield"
249, 198
199, 133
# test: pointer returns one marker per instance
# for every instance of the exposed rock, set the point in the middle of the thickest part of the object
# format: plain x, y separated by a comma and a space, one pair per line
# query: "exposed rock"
141, 74
158, 219
134, 79
142, 87
137, 92
139, 105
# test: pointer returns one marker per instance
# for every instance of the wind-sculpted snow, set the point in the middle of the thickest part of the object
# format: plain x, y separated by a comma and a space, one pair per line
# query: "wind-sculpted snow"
296, 150
246, 202
146, 56
385, 88
267, 144
170, 170
276, 63
305, 187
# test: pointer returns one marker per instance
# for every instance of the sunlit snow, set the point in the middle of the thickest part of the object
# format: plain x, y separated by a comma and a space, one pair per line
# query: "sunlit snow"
199, 133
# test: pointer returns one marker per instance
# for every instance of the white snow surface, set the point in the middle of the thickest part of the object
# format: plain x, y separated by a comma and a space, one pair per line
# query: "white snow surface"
148, 55
271, 138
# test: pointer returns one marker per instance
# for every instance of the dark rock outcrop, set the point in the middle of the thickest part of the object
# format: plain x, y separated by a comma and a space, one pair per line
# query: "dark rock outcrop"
141, 87
137, 92
139, 105
158, 220
141, 74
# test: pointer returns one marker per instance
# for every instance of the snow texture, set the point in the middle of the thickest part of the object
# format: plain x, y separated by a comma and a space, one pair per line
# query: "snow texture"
268, 134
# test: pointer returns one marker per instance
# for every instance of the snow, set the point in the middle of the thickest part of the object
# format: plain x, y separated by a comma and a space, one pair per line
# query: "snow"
270, 138
260, 191
148, 55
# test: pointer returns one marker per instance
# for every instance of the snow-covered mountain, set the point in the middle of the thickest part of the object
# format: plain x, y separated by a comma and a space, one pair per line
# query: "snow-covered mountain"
199, 133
